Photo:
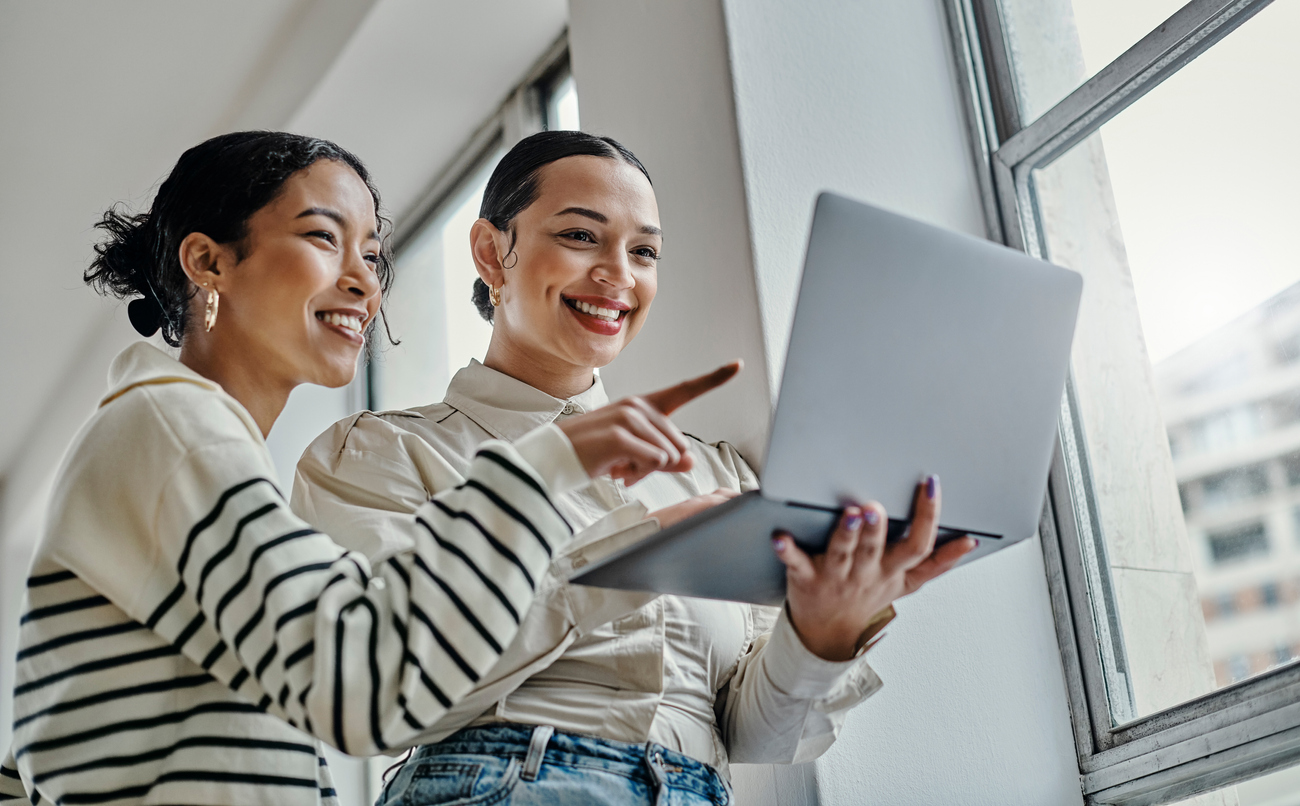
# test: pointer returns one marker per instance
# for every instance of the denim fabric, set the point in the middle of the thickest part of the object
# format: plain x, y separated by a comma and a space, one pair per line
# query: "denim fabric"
486, 765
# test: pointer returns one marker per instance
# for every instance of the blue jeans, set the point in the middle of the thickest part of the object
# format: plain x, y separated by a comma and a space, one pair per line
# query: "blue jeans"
523, 765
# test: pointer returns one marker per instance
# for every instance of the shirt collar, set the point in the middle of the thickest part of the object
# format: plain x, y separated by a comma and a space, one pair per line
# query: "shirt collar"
508, 408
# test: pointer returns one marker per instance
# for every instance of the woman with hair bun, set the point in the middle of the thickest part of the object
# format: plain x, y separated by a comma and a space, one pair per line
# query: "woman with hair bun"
185, 637
608, 696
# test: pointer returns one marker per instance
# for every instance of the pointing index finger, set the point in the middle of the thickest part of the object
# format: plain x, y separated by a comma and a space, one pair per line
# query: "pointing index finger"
674, 397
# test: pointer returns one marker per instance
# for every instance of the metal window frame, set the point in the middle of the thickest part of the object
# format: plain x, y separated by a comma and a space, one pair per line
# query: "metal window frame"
1234, 733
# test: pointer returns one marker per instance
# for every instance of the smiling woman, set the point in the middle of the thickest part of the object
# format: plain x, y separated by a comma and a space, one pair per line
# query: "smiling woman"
600, 211
185, 637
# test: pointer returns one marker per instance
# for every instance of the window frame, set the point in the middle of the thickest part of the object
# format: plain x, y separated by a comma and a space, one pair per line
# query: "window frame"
521, 114
1232, 734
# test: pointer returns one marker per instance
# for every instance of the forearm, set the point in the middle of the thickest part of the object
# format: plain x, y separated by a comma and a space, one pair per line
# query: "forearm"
365, 658
785, 705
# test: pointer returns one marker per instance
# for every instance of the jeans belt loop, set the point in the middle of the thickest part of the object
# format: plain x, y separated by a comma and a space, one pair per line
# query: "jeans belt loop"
536, 751
654, 762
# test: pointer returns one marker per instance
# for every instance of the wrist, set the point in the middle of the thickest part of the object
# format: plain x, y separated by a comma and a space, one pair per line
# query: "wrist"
840, 642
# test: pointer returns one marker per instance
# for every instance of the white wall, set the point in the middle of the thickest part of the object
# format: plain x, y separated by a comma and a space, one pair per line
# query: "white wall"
860, 98
668, 98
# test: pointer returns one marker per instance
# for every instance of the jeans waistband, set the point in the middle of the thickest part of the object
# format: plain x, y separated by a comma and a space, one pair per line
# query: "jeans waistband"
651, 762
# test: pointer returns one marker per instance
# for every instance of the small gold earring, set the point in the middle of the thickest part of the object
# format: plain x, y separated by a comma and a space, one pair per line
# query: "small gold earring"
494, 294
210, 311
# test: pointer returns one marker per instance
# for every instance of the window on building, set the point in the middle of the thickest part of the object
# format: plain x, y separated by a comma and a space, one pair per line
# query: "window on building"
1228, 487
1269, 596
1238, 544
430, 311
1149, 147
1284, 409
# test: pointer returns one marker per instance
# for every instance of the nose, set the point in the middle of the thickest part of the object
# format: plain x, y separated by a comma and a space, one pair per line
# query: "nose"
614, 270
359, 277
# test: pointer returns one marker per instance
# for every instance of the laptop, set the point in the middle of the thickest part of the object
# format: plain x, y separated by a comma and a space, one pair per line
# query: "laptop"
914, 350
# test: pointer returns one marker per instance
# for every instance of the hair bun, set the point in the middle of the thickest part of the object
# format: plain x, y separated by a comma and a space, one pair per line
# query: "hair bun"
146, 315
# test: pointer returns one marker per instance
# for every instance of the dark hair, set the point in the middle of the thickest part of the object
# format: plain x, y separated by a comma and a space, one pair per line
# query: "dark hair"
214, 189
515, 182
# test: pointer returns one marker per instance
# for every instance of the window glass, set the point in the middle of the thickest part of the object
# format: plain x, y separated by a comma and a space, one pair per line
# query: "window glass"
562, 105
1181, 213
1278, 788
429, 309
1056, 45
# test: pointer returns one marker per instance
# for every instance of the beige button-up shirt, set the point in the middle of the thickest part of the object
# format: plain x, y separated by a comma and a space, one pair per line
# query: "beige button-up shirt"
716, 680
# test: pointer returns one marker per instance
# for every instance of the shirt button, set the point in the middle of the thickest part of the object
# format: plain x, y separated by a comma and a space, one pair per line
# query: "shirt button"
569, 408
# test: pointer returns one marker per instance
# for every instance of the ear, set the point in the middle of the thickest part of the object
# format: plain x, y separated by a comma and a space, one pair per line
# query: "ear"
201, 258
488, 245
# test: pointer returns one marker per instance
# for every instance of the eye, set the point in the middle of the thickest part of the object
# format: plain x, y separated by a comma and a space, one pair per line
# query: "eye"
579, 235
646, 252
324, 235
373, 260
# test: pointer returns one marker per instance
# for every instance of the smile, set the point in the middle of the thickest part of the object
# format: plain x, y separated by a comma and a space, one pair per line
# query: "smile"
600, 315
608, 314
343, 321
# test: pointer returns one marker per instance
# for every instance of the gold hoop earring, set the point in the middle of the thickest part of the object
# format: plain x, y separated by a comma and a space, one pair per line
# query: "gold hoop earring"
210, 310
494, 294
507, 257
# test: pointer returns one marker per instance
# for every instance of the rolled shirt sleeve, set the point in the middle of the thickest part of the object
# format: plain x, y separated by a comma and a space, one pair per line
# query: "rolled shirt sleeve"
785, 705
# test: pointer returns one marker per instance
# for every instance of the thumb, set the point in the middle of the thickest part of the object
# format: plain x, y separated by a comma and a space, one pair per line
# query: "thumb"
798, 567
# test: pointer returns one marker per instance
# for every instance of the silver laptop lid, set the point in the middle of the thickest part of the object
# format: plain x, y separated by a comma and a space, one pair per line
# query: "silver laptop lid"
917, 350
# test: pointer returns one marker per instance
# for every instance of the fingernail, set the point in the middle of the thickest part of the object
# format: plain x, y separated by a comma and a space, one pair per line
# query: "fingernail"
872, 516
778, 543
852, 519
931, 486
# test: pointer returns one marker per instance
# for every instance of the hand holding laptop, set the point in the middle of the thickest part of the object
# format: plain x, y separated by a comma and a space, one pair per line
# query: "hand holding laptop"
834, 597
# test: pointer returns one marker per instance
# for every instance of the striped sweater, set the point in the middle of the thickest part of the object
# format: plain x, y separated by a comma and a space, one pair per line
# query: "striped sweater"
186, 639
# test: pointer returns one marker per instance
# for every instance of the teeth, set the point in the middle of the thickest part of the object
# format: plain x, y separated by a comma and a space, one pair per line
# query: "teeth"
352, 323
602, 313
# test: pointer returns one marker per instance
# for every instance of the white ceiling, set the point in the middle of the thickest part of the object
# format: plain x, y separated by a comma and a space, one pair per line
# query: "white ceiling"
97, 100
419, 78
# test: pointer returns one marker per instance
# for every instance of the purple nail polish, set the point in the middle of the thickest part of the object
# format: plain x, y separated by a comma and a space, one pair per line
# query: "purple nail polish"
931, 486
778, 543
852, 519
872, 516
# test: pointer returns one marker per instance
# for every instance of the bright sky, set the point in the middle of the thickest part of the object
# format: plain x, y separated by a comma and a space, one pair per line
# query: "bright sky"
1205, 168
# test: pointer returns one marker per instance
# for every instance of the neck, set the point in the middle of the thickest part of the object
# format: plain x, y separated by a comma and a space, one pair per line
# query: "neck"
256, 390
543, 372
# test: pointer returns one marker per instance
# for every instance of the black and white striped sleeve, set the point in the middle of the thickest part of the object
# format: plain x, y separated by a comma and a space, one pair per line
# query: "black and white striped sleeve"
12, 791
364, 658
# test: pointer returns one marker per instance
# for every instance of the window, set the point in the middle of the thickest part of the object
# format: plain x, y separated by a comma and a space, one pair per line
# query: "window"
1237, 544
1232, 486
562, 102
1147, 146
430, 311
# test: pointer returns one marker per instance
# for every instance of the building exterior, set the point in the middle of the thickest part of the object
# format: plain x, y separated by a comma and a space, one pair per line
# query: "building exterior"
1231, 403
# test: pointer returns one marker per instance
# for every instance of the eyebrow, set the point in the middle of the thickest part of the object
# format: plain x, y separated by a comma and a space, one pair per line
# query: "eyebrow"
335, 216
600, 217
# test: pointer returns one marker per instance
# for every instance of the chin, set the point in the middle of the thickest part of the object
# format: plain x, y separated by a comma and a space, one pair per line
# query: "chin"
335, 374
